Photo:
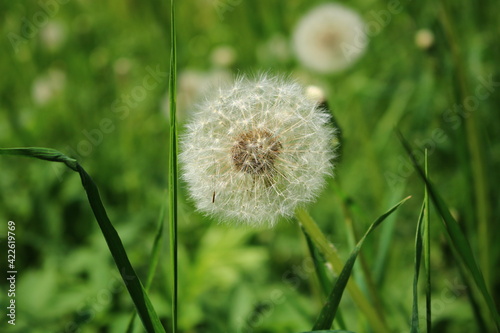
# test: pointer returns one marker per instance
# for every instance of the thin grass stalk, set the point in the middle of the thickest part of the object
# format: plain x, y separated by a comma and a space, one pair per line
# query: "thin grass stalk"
327, 315
172, 166
330, 253
415, 328
456, 237
427, 251
353, 236
322, 274
475, 148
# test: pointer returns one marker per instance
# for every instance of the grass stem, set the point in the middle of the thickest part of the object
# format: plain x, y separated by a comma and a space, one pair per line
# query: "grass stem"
331, 255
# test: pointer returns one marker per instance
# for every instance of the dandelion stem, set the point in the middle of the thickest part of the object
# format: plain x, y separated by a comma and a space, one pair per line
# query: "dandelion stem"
331, 255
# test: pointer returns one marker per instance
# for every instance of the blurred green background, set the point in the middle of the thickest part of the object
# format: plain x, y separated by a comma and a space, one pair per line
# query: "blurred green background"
90, 79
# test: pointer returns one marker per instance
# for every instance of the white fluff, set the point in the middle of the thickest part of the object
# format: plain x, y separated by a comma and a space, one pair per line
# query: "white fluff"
298, 140
329, 38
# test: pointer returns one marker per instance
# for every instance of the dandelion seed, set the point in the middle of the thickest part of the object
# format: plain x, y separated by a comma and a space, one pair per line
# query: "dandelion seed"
255, 151
329, 38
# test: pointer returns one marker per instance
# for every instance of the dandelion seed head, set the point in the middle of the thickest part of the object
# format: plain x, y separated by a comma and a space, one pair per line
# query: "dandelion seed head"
329, 38
256, 150
424, 39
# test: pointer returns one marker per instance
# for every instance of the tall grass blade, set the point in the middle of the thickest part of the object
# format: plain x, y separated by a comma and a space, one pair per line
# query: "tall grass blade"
172, 164
415, 328
155, 255
325, 319
455, 235
328, 250
134, 286
426, 242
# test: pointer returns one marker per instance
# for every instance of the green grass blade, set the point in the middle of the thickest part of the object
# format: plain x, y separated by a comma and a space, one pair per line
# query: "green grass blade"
476, 309
319, 266
325, 319
455, 236
328, 250
172, 165
322, 274
155, 255
134, 286
426, 241
385, 243
46, 154
415, 328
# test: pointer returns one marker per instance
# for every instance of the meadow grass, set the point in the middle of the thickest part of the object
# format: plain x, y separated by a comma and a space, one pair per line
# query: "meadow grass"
100, 97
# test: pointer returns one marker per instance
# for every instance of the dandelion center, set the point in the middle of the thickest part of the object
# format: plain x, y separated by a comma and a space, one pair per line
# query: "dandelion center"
254, 152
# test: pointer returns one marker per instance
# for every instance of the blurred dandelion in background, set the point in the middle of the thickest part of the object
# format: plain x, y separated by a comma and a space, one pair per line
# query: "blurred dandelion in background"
47, 86
255, 151
192, 85
329, 38
53, 35
424, 39
223, 56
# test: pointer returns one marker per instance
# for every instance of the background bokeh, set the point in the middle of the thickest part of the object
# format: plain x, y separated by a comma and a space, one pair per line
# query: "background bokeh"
90, 79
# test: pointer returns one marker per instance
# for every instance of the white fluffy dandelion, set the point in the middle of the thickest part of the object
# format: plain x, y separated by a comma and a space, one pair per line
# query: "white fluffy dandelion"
424, 39
329, 38
255, 151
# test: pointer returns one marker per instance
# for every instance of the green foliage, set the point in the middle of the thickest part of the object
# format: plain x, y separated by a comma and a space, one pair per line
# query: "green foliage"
79, 84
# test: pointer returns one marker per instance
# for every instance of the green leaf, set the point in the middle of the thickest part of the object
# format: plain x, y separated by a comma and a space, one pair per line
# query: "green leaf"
134, 286
455, 235
325, 319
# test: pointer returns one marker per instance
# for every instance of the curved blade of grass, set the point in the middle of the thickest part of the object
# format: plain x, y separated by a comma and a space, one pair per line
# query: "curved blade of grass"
172, 164
385, 243
330, 253
322, 274
455, 235
155, 255
134, 286
325, 319
365, 278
